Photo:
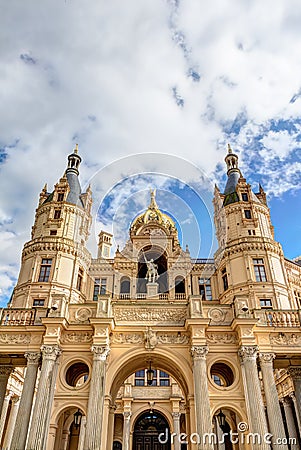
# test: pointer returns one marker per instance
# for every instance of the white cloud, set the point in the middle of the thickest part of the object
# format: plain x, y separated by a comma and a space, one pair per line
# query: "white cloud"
103, 74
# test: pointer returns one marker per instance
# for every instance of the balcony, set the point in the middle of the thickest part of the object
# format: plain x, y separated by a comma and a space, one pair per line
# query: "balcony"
17, 316
278, 318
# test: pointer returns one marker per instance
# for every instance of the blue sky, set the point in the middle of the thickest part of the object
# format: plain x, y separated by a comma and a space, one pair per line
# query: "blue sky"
175, 77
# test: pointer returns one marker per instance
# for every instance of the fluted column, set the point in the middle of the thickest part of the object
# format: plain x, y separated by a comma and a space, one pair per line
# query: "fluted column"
82, 432
295, 373
11, 423
176, 429
293, 397
271, 397
5, 372
126, 430
290, 422
257, 419
42, 409
4, 414
111, 420
24, 412
96, 398
201, 394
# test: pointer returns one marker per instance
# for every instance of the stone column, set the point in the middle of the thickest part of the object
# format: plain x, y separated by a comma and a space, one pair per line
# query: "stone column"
290, 422
176, 429
271, 397
5, 372
4, 414
11, 423
43, 403
111, 427
96, 398
126, 430
292, 396
24, 412
201, 395
82, 432
295, 373
257, 418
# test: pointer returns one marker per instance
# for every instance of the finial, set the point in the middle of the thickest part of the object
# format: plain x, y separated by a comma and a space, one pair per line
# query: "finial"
76, 149
229, 149
153, 204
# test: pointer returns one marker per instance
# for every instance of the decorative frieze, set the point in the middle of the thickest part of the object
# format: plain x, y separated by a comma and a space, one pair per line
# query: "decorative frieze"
150, 315
127, 338
138, 338
73, 338
222, 338
291, 339
19, 338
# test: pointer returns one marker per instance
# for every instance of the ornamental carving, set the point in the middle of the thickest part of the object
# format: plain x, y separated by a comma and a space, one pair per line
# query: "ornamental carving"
6, 370
72, 338
161, 315
295, 373
216, 315
50, 352
267, 358
173, 338
199, 351
222, 338
33, 358
83, 314
291, 339
248, 352
6, 338
125, 338
100, 352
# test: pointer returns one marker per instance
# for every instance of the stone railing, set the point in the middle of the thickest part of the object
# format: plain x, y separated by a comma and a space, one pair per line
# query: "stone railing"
180, 296
18, 316
164, 296
124, 296
278, 318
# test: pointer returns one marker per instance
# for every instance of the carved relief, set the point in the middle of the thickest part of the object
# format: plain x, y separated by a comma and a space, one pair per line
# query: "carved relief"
150, 315
173, 338
216, 315
222, 338
76, 337
286, 339
6, 338
123, 338
83, 314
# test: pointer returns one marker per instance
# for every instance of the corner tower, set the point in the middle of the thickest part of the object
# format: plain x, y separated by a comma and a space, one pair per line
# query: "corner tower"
250, 262
55, 261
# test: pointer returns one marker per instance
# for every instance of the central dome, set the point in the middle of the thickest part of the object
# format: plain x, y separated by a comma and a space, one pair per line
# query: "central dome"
153, 216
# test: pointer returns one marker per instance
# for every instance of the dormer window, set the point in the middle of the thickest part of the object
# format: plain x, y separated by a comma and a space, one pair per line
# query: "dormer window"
60, 197
245, 197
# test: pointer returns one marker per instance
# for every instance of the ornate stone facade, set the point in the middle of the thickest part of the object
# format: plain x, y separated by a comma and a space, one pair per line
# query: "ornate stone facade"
111, 353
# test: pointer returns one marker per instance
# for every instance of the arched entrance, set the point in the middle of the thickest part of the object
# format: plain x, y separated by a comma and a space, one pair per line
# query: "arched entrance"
149, 425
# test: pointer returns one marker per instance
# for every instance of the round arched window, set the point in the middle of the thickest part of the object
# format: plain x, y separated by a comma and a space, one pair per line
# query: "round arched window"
221, 374
77, 374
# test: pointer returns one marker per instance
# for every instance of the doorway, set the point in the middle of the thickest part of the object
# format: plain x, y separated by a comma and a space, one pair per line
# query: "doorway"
148, 427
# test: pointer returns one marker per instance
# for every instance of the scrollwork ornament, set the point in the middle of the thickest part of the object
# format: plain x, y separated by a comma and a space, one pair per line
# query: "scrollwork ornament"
199, 352
295, 373
50, 352
267, 358
248, 352
33, 358
100, 352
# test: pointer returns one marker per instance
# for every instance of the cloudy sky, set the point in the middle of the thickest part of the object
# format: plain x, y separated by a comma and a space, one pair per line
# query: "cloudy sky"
174, 77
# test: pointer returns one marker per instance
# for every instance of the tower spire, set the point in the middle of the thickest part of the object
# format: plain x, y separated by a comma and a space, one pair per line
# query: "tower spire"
74, 161
231, 160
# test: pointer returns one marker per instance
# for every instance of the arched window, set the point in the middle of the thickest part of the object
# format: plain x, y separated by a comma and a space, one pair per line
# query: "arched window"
180, 285
125, 285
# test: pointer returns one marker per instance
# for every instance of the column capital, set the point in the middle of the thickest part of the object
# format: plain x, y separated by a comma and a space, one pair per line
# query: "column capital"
295, 372
286, 401
127, 415
176, 415
267, 358
6, 370
248, 352
100, 352
33, 358
199, 351
51, 352
15, 399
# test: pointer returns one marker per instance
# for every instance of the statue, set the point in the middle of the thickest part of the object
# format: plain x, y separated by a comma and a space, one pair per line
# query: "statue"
152, 271
150, 339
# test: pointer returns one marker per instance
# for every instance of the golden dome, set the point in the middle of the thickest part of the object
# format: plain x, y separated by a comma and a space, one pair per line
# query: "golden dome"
153, 216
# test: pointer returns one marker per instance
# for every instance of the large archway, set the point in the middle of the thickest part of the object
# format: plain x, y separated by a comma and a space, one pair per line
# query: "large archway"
147, 430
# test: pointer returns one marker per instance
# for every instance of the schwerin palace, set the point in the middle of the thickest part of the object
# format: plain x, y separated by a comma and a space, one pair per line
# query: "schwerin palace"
110, 353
